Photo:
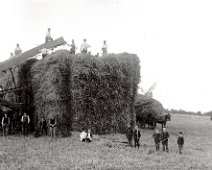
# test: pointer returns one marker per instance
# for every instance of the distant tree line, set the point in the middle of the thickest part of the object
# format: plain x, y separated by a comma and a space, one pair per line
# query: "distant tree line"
208, 113
180, 111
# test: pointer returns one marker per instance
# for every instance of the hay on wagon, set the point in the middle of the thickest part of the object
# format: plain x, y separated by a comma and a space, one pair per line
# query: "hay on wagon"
148, 108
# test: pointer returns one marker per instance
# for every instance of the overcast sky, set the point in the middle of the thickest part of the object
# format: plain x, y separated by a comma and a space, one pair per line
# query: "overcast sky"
173, 39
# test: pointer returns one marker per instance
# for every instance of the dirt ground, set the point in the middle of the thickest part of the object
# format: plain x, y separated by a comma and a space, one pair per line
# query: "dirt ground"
69, 153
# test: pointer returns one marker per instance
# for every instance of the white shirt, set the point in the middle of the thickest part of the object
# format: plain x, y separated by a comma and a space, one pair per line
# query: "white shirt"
48, 34
83, 135
44, 51
22, 119
104, 46
84, 46
17, 51
89, 136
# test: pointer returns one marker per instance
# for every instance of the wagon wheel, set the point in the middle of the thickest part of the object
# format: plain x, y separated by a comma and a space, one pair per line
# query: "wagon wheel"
154, 125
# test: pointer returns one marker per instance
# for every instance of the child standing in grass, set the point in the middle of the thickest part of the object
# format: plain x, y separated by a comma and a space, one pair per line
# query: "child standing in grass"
180, 142
129, 134
165, 139
157, 137
137, 136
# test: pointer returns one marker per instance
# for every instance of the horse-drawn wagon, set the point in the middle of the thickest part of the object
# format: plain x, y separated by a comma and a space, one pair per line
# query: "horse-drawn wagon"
150, 112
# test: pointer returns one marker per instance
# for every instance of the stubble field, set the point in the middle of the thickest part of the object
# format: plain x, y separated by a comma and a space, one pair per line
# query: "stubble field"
69, 153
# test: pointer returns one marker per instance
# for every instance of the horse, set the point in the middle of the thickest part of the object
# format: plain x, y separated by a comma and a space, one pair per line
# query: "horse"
164, 119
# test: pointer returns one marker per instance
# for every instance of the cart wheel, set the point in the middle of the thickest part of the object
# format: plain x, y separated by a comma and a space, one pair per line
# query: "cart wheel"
154, 125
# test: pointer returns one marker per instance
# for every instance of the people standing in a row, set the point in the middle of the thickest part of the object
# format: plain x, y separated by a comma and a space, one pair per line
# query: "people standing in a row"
25, 124
133, 133
163, 138
86, 136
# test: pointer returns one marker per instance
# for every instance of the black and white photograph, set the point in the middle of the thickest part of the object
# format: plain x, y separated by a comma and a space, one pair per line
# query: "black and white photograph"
105, 85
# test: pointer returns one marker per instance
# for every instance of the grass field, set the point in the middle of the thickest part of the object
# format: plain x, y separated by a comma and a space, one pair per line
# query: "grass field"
69, 153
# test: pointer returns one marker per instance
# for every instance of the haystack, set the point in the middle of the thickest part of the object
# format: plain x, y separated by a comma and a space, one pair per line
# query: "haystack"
50, 84
84, 91
103, 91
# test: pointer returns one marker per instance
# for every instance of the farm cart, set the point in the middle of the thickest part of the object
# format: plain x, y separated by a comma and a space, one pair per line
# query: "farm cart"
150, 112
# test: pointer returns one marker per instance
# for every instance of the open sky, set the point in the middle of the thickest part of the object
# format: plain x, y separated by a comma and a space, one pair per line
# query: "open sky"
173, 39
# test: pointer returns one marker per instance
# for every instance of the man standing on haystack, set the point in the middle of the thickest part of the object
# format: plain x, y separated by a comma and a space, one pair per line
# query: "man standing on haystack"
104, 47
17, 50
73, 47
84, 47
25, 123
48, 37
